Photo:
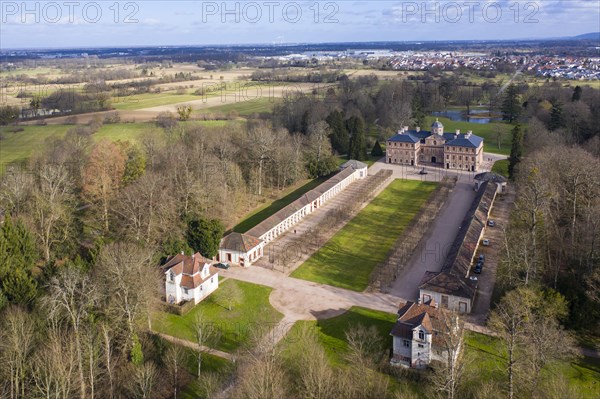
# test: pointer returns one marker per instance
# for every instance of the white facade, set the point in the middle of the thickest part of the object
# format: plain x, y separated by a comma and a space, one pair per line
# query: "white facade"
240, 257
415, 352
314, 204
455, 303
183, 283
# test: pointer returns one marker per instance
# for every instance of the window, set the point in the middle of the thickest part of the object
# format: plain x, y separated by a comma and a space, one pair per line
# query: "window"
421, 334
185, 290
212, 279
426, 298
421, 346
445, 301
171, 276
462, 307
228, 257
406, 343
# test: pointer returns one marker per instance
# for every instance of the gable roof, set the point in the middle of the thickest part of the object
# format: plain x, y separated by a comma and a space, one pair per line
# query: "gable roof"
239, 242
491, 176
353, 163
412, 315
185, 264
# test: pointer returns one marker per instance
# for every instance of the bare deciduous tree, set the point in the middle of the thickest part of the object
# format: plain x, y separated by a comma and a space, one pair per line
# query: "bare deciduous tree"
71, 296
17, 341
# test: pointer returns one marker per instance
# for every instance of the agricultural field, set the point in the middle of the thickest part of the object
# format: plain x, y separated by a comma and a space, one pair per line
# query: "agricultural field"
349, 257
236, 325
18, 145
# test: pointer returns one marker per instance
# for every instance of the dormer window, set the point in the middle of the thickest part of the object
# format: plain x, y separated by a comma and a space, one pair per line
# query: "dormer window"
421, 335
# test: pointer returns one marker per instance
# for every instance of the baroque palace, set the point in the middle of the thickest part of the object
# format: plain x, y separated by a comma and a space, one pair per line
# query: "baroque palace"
463, 151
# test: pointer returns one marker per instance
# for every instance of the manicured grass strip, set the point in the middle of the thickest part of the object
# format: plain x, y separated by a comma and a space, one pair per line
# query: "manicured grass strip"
263, 212
489, 132
235, 325
501, 167
485, 359
349, 257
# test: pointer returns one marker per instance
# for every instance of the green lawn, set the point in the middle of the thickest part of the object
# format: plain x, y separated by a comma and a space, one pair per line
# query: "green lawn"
243, 108
349, 257
263, 212
235, 325
501, 167
20, 145
488, 131
331, 332
485, 362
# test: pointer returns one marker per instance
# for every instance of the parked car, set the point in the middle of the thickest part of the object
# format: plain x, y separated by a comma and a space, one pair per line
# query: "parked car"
491, 223
486, 243
222, 265
478, 267
482, 258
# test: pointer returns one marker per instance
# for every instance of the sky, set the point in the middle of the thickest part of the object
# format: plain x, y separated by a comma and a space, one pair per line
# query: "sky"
76, 23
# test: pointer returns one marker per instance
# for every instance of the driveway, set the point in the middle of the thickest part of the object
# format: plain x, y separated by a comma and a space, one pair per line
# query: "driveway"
431, 254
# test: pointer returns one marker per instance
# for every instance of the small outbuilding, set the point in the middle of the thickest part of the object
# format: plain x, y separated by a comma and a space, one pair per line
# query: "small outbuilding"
495, 178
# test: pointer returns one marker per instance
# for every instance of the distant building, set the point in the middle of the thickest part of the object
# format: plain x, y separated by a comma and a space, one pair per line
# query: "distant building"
495, 178
189, 278
448, 150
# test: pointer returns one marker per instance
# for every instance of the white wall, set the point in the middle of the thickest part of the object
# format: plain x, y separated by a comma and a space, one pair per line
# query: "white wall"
453, 301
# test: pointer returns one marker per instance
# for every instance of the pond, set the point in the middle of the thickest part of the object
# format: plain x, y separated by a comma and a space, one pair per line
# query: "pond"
461, 116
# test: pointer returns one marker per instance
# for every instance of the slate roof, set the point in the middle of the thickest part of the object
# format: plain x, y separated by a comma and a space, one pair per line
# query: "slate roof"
406, 137
355, 164
453, 278
300, 203
239, 242
452, 139
465, 140
491, 176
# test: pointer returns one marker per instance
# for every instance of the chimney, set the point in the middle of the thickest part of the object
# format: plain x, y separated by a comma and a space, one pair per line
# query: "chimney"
419, 300
405, 128
418, 128
457, 131
183, 253
435, 305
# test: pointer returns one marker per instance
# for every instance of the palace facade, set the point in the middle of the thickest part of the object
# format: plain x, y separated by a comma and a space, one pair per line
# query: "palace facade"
461, 151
